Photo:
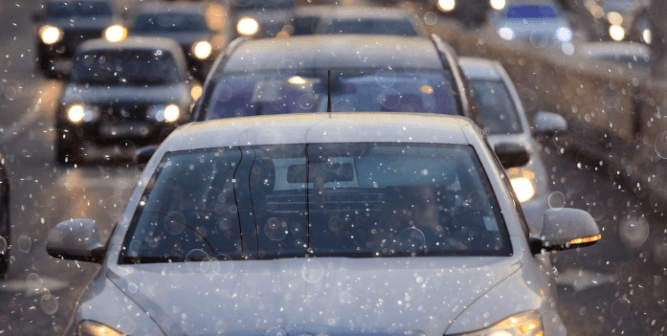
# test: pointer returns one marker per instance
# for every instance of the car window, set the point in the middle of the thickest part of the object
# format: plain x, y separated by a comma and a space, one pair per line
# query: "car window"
370, 26
530, 12
257, 5
169, 22
352, 90
61, 9
129, 67
305, 25
350, 199
496, 107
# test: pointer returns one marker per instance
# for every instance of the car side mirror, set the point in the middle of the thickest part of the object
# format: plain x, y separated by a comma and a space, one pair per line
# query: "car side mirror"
143, 155
75, 239
512, 154
549, 123
566, 229
37, 16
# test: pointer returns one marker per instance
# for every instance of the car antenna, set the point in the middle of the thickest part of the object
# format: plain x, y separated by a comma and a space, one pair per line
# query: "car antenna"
329, 92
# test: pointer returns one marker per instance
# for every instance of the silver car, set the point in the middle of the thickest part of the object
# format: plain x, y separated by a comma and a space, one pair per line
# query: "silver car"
326, 223
505, 122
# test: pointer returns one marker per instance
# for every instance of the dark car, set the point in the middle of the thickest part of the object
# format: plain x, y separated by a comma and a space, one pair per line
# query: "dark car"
62, 25
185, 23
133, 90
469, 12
341, 73
5, 237
259, 18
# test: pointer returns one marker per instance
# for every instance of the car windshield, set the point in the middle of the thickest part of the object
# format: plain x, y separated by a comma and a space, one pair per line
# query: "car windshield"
169, 22
305, 25
531, 12
370, 26
58, 9
361, 200
128, 67
496, 106
367, 90
262, 5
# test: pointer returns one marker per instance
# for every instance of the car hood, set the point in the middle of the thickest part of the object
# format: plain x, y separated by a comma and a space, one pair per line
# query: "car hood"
388, 295
82, 23
101, 94
184, 39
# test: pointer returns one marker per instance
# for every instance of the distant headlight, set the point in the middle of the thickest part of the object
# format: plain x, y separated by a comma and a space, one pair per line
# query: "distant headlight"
446, 5
196, 91
115, 33
506, 33
523, 188
564, 34
617, 33
168, 113
249, 26
50, 34
647, 36
90, 328
521, 324
78, 112
202, 49
498, 4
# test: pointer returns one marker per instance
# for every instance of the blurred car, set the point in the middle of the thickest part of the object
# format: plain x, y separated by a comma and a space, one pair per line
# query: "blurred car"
469, 12
619, 17
186, 24
62, 25
355, 20
5, 224
543, 24
505, 122
633, 55
323, 224
259, 18
367, 73
133, 90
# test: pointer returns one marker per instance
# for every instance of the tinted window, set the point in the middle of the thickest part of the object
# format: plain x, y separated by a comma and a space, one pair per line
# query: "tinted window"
188, 210
78, 8
496, 106
263, 4
372, 27
305, 25
351, 90
531, 12
129, 67
169, 22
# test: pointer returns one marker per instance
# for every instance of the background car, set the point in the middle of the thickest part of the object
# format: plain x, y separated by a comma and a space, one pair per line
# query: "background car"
468, 12
259, 18
368, 73
5, 224
135, 90
306, 219
505, 122
186, 23
62, 25
630, 54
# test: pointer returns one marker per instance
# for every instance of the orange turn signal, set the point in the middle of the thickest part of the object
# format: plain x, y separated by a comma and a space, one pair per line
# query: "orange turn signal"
586, 240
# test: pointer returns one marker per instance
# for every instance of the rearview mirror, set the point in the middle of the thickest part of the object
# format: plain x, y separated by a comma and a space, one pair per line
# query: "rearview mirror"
143, 155
512, 154
566, 229
75, 239
549, 123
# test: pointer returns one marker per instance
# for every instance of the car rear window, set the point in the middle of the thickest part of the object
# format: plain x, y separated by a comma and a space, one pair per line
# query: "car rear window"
531, 12
370, 27
336, 200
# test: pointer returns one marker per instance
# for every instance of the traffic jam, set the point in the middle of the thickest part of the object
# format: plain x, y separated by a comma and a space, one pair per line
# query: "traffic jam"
203, 167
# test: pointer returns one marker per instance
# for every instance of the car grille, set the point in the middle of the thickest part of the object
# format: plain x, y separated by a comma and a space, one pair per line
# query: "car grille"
116, 114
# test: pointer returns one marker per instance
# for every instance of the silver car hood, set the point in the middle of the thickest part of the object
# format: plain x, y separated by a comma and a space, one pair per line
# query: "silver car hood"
98, 94
392, 295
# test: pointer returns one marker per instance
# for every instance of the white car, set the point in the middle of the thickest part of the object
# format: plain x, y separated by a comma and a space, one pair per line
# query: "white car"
505, 122
323, 224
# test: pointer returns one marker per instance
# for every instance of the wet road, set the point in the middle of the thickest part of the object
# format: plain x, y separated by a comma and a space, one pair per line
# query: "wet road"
615, 287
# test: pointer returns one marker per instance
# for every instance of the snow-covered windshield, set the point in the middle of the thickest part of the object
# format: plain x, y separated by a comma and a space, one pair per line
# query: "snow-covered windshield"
370, 26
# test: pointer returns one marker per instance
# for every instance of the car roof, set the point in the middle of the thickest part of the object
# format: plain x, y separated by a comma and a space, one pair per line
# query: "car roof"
301, 128
479, 68
597, 49
335, 51
171, 7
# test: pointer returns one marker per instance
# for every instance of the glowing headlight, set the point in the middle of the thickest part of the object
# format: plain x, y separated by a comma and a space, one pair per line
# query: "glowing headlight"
115, 33
196, 91
248, 26
171, 113
521, 324
168, 113
202, 49
50, 34
646, 35
564, 34
90, 328
498, 4
75, 113
523, 188
617, 33
506, 33
446, 5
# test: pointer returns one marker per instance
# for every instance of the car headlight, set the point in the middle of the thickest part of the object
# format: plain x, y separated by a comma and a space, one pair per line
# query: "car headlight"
78, 112
248, 26
115, 33
498, 4
522, 183
506, 33
528, 324
168, 113
564, 34
617, 33
202, 49
90, 328
50, 34
196, 91
446, 5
